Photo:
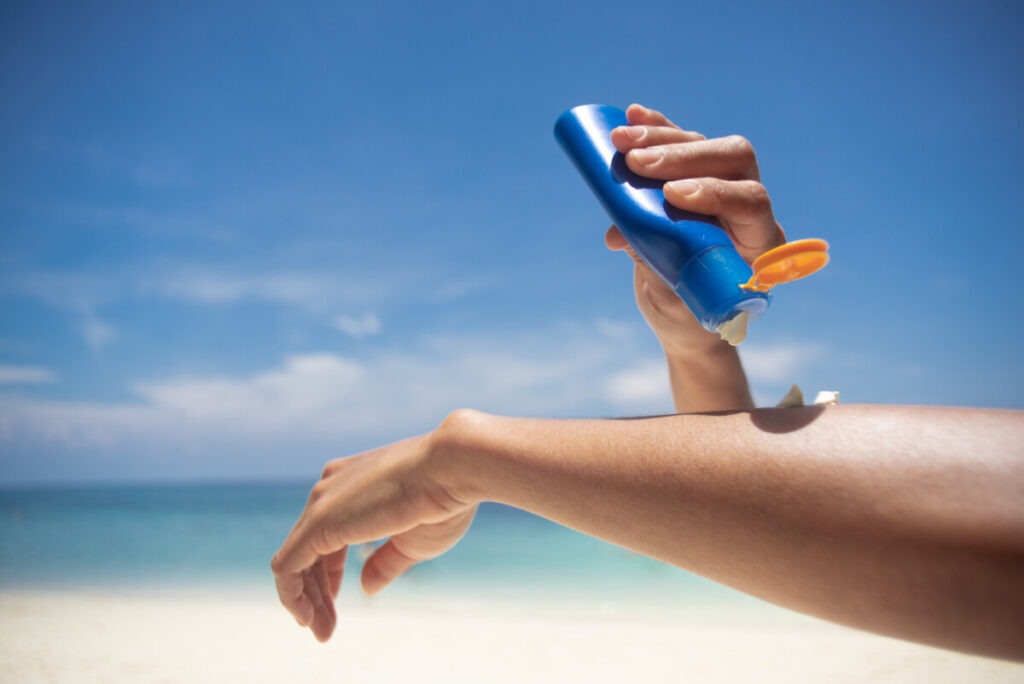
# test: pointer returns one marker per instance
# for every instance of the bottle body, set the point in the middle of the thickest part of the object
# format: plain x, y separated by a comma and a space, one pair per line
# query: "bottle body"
689, 252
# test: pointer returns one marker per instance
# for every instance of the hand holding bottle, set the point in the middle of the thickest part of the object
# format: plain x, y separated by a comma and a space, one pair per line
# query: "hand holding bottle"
717, 177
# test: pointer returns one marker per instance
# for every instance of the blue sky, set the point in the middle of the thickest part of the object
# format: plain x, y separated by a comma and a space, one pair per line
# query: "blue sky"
237, 239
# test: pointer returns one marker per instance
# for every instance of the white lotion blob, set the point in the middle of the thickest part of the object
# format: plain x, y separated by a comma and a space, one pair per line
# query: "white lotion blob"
795, 397
734, 330
827, 398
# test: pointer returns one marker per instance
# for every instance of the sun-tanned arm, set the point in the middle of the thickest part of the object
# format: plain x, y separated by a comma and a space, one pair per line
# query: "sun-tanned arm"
905, 521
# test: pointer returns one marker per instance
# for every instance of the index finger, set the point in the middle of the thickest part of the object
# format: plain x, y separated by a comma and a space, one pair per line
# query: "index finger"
296, 555
291, 589
626, 138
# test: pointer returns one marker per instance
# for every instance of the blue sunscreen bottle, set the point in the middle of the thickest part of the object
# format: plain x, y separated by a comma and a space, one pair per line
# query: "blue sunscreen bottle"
690, 252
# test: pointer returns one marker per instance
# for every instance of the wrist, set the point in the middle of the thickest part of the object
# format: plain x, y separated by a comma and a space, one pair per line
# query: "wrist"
707, 348
711, 379
453, 453
683, 337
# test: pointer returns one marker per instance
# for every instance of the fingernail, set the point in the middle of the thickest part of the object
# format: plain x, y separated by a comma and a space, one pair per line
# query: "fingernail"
635, 132
685, 187
647, 155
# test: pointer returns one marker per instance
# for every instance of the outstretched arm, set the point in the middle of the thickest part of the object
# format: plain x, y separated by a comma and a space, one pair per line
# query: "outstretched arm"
900, 520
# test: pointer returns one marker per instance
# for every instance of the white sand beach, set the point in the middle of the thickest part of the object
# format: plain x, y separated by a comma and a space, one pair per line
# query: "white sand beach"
110, 637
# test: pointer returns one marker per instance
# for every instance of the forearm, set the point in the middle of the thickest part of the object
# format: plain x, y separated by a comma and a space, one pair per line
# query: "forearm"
905, 521
709, 380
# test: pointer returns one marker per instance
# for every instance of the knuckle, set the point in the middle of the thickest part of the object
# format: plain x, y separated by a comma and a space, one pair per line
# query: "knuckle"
319, 534
329, 469
398, 560
713, 190
759, 199
740, 146
677, 152
318, 490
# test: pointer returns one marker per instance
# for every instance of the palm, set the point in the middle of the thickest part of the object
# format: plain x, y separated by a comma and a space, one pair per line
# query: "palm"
430, 540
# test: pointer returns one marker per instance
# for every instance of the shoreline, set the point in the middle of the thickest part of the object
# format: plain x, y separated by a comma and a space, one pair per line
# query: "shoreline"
197, 637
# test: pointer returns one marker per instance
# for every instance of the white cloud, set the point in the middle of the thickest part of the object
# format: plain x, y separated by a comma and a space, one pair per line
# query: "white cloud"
213, 287
615, 330
26, 375
96, 333
198, 284
285, 418
645, 384
148, 173
321, 402
367, 324
62, 290
79, 295
458, 289
302, 389
146, 221
76, 426
778, 363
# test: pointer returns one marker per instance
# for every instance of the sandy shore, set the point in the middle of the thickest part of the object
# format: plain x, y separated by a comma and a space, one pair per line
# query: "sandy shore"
97, 637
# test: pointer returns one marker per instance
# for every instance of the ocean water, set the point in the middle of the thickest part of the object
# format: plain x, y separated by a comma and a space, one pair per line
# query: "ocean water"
221, 537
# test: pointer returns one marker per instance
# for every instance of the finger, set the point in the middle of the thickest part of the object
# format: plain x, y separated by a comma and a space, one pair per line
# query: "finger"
291, 591
323, 585
613, 239
638, 115
626, 138
332, 467
325, 618
731, 158
384, 566
743, 208
616, 242
335, 564
312, 590
296, 555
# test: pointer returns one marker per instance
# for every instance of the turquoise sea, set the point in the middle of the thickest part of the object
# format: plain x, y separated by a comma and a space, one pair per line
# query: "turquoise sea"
221, 537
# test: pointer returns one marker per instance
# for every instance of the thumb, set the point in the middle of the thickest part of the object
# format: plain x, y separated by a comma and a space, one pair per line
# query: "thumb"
384, 566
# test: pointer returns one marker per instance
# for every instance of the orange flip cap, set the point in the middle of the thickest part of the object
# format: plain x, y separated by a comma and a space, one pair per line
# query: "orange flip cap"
786, 263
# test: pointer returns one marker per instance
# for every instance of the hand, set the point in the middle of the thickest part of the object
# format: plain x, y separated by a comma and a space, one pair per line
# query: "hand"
719, 178
387, 492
